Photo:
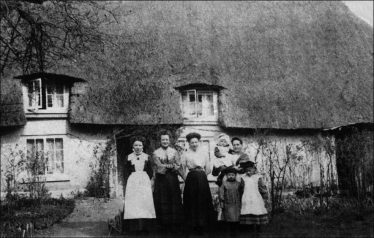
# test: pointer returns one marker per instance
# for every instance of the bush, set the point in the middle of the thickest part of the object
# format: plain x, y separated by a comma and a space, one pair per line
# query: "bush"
23, 212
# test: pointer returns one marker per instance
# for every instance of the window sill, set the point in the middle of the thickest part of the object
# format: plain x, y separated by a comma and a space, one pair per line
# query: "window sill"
39, 114
50, 178
199, 122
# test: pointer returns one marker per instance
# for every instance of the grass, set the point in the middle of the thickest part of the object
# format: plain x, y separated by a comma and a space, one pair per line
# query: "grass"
343, 218
18, 214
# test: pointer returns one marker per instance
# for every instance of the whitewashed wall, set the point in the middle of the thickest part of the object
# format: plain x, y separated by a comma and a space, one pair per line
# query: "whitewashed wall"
305, 166
79, 153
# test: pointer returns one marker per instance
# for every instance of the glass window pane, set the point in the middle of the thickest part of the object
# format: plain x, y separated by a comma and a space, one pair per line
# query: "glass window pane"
59, 145
37, 92
40, 156
191, 106
50, 88
49, 100
59, 100
51, 155
59, 89
30, 149
208, 109
60, 161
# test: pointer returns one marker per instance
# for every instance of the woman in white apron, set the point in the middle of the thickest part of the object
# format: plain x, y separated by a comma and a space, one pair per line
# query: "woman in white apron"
139, 206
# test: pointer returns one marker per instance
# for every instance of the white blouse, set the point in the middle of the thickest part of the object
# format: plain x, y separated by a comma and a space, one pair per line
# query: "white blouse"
193, 159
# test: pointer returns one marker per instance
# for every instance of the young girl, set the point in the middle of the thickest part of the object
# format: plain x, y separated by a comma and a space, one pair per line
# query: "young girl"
230, 194
139, 206
253, 211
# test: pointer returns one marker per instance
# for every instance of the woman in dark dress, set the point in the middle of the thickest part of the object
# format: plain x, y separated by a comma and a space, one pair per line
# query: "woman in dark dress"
167, 193
197, 198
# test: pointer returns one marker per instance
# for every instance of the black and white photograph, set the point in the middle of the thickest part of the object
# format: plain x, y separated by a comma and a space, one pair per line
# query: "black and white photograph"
193, 119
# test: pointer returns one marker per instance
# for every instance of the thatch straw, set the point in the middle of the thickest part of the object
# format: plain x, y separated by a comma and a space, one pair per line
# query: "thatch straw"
283, 64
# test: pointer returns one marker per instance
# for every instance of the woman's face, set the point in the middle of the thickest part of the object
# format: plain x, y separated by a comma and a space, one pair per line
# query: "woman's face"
138, 147
165, 141
237, 146
194, 143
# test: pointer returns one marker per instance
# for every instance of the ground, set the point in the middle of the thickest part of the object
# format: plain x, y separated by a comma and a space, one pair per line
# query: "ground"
89, 219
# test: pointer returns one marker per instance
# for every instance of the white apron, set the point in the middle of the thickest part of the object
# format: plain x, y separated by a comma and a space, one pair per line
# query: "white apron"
252, 202
138, 197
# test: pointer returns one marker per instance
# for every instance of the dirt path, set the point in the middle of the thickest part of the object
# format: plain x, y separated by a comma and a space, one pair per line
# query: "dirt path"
89, 219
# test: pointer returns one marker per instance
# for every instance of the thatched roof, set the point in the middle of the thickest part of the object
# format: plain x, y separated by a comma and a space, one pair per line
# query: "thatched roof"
281, 64
50, 76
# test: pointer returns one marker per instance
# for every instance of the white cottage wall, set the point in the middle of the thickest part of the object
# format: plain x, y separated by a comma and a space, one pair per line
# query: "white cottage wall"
311, 156
81, 149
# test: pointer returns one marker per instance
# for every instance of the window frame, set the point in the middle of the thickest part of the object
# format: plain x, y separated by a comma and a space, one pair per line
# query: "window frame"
196, 117
44, 93
54, 171
40, 103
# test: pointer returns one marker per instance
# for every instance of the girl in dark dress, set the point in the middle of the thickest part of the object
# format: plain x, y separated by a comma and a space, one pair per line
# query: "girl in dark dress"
197, 198
139, 205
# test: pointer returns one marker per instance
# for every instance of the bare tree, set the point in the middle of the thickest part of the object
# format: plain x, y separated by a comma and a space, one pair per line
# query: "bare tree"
35, 34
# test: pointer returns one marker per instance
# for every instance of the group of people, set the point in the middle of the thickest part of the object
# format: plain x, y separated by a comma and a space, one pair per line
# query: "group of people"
241, 190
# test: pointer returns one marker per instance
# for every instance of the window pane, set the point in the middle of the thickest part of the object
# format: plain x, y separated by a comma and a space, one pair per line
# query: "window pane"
37, 92
60, 161
59, 144
199, 105
39, 162
50, 154
33, 88
191, 105
59, 89
208, 109
30, 149
59, 100
50, 88
49, 100
59, 155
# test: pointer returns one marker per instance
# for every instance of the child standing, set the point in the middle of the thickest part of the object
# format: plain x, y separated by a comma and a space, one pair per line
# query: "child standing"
230, 194
253, 211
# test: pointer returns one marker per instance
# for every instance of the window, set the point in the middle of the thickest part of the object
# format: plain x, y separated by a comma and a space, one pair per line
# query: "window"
34, 89
199, 105
48, 153
55, 96
46, 95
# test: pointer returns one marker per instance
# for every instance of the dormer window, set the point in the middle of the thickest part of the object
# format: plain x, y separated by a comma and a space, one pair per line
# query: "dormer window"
199, 103
49, 96
46, 94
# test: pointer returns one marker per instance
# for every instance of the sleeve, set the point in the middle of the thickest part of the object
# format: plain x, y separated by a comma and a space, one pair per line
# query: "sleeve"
177, 161
222, 193
208, 167
129, 166
157, 165
217, 170
183, 167
262, 189
241, 187
148, 168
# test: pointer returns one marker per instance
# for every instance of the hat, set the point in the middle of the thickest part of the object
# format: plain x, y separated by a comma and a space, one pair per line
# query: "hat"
230, 170
247, 164
243, 158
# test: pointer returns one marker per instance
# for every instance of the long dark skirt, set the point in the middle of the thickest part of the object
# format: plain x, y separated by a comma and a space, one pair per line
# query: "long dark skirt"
197, 200
167, 198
